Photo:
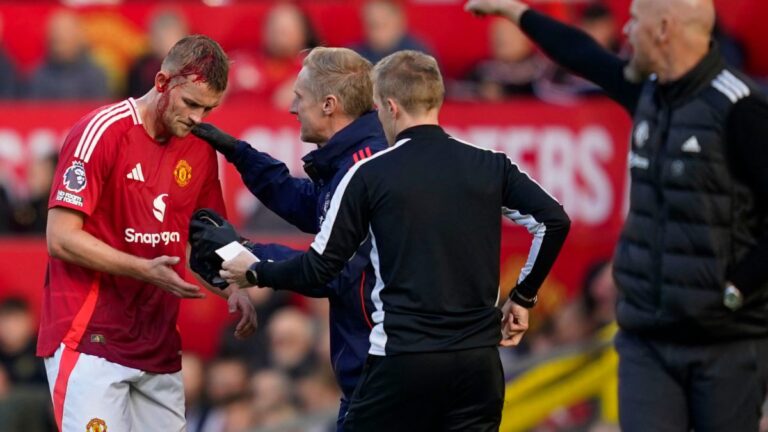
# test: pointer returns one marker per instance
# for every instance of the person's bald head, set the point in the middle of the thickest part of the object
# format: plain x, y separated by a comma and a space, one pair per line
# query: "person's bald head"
667, 35
694, 15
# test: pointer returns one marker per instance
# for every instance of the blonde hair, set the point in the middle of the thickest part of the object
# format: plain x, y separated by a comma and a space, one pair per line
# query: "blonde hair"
343, 73
411, 78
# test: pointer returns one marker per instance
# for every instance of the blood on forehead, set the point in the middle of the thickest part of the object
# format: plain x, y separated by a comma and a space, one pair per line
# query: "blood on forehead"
199, 70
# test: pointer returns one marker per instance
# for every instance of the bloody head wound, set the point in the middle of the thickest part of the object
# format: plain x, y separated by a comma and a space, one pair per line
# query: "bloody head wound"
201, 57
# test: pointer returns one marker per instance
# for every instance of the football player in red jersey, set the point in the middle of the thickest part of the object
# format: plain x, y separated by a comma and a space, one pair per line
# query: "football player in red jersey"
130, 175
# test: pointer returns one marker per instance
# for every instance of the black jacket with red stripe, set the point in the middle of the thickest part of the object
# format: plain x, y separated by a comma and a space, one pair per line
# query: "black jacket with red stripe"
304, 202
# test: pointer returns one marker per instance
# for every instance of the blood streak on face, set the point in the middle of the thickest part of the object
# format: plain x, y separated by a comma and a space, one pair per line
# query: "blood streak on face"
168, 106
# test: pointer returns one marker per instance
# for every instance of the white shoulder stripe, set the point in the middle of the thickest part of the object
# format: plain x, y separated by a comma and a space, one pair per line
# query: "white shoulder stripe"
510, 161
135, 114
731, 86
725, 82
90, 142
725, 90
91, 124
321, 240
736, 82
101, 131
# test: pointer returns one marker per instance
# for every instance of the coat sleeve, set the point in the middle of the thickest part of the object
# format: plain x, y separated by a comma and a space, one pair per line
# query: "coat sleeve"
345, 227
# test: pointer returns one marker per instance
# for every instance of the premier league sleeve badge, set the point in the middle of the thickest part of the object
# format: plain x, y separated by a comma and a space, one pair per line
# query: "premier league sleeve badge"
74, 177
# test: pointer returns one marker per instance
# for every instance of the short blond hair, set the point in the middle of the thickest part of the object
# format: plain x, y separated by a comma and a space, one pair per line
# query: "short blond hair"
411, 78
343, 73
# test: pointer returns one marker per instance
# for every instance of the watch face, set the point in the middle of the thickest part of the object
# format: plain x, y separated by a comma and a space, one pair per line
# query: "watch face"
251, 277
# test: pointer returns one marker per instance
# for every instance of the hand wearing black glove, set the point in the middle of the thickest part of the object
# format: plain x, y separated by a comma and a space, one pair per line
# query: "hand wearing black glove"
223, 142
209, 231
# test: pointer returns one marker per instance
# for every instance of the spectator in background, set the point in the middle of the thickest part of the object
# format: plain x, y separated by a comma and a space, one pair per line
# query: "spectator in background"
255, 353
318, 394
600, 294
165, 29
17, 344
272, 398
68, 71
292, 336
386, 31
226, 387
9, 79
30, 214
269, 75
557, 84
511, 71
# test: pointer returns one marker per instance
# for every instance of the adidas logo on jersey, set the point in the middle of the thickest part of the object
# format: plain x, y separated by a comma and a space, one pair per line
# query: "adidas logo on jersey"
691, 145
136, 173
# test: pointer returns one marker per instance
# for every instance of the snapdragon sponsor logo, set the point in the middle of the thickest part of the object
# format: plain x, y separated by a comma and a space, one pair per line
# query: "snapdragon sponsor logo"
154, 239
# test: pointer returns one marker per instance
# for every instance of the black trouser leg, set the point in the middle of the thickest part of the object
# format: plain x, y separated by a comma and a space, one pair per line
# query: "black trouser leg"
418, 392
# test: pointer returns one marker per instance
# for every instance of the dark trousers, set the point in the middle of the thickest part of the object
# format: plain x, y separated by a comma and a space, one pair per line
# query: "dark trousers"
443, 391
666, 386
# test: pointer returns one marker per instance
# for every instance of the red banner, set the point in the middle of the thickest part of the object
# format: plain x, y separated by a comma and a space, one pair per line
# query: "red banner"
577, 153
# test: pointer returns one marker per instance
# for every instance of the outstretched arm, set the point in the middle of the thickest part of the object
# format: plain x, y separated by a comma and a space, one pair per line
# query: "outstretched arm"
293, 199
567, 46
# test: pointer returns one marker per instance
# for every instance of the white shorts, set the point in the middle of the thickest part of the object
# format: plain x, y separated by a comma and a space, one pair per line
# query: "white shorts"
92, 394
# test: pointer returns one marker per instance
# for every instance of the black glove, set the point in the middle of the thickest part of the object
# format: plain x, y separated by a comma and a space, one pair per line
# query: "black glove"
209, 231
223, 142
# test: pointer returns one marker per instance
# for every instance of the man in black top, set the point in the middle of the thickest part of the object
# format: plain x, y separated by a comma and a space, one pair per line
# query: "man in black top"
690, 263
431, 206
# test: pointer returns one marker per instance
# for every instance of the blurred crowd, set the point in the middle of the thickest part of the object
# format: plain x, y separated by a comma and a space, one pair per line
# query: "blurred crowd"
514, 68
281, 378
70, 71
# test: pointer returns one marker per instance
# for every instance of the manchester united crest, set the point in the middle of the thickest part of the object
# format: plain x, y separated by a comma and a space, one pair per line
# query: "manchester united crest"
96, 425
182, 173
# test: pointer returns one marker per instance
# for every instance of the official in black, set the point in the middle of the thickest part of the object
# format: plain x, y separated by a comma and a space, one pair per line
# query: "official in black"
431, 205
691, 261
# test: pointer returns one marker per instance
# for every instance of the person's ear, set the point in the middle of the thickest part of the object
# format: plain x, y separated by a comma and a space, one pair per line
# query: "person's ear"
392, 107
161, 81
663, 31
330, 105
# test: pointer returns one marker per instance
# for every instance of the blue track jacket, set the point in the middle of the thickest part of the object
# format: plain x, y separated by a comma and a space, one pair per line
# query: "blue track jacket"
303, 203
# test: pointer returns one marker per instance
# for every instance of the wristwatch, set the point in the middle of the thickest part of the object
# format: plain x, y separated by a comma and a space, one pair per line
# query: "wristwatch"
252, 277
523, 301
732, 298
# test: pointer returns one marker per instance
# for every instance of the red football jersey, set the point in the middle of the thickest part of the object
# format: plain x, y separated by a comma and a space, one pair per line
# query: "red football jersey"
137, 196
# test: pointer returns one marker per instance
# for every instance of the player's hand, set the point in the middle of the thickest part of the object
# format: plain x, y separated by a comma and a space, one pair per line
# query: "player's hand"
223, 142
512, 9
238, 300
513, 324
159, 272
233, 271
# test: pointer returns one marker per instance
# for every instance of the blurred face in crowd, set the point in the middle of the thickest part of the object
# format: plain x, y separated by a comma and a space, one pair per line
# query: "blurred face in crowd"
16, 331
601, 30
384, 25
285, 34
66, 40
227, 379
192, 375
184, 102
291, 339
508, 43
270, 390
309, 109
165, 31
